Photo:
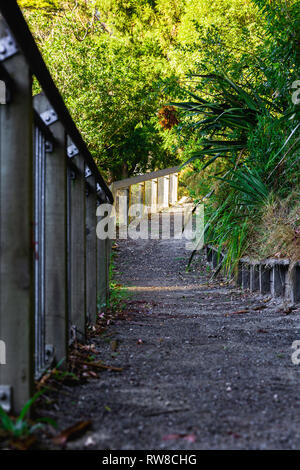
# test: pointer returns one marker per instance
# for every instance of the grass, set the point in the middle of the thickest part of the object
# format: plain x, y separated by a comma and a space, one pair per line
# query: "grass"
242, 153
117, 297
21, 427
118, 294
278, 231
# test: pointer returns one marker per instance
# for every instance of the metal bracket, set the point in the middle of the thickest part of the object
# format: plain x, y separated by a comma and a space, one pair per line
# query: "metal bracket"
87, 172
48, 146
49, 117
72, 150
6, 397
8, 47
49, 350
73, 334
72, 174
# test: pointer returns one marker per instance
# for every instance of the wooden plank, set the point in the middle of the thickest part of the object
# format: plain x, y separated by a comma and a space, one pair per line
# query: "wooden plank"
91, 255
77, 251
145, 177
56, 297
16, 227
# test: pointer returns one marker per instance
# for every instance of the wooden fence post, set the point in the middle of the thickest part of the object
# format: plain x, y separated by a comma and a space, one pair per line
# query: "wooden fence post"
91, 252
101, 274
148, 188
173, 188
122, 198
108, 250
16, 231
77, 296
103, 262
163, 192
154, 193
56, 299
143, 195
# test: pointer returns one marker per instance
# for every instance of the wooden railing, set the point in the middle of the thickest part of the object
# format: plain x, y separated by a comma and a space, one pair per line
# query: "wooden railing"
54, 270
155, 190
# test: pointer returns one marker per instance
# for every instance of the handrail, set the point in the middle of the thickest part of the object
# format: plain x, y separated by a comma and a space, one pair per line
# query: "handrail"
125, 183
17, 24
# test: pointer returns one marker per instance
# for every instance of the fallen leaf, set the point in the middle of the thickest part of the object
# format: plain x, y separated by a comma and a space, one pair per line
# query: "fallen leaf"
23, 444
93, 374
287, 310
238, 312
171, 437
190, 438
114, 345
99, 365
186, 437
234, 434
72, 432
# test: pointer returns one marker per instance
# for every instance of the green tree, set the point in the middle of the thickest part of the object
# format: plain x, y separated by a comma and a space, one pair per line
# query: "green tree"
111, 77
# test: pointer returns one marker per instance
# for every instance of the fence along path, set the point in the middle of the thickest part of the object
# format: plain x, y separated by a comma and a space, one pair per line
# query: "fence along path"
155, 191
54, 270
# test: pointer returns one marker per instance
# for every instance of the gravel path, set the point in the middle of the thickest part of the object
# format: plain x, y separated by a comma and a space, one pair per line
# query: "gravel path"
199, 371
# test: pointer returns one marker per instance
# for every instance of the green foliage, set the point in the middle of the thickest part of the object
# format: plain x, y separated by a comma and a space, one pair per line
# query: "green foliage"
233, 209
252, 191
215, 35
117, 62
228, 64
233, 115
111, 71
118, 294
47, 5
20, 427
245, 128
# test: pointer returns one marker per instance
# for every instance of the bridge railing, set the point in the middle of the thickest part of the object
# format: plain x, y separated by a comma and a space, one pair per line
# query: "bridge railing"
53, 268
156, 190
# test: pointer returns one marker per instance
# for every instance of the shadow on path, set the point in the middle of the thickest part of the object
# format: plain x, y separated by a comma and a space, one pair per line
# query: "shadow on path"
200, 372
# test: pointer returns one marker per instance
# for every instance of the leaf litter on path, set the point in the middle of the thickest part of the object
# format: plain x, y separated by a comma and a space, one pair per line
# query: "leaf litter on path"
72, 432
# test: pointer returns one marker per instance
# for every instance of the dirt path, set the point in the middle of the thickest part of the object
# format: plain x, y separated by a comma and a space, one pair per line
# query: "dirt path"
197, 375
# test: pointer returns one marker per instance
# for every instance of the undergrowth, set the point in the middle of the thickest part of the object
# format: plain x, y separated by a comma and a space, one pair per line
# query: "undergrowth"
118, 294
242, 145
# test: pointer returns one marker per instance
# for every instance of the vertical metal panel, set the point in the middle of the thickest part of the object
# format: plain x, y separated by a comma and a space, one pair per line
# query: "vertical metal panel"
56, 301
91, 255
70, 176
39, 250
77, 251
